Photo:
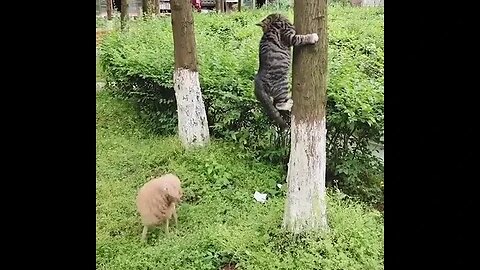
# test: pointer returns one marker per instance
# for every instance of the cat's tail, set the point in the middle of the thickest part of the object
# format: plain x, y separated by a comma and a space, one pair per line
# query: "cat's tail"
267, 103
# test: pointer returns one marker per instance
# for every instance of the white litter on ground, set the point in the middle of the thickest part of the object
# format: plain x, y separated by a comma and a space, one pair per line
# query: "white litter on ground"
260, 197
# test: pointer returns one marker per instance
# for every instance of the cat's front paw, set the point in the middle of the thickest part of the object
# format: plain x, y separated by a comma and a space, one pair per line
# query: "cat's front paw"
313, 38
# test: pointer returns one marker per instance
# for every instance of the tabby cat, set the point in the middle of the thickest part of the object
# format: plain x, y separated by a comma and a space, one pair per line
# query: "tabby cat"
271, 81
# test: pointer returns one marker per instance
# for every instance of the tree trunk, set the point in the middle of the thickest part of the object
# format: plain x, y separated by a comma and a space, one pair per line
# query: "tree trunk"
305, 208
192, 118
224, 6
157, 7
123, 14
109, 9
145, 7
218, 5
239, 5
148, 7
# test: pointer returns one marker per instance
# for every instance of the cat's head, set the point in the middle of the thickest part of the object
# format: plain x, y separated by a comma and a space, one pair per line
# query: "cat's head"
275, 20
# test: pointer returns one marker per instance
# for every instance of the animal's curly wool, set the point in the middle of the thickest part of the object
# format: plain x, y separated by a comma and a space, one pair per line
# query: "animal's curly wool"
156, 201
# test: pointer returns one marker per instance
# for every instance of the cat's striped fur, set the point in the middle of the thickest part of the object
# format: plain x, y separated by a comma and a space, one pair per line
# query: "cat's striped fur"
271, 81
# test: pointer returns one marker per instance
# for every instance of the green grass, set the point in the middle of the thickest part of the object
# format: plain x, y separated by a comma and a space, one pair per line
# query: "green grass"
219, 221
99, 71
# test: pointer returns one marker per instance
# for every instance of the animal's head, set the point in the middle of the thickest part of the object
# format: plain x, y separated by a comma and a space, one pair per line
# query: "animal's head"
173, 189
274, 20
174, 194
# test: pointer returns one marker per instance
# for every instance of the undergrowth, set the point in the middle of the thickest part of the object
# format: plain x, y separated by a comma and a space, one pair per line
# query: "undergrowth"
219, 220
139, 64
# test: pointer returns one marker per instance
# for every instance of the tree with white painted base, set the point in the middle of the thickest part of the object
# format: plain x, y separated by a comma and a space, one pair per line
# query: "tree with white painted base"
192, 118
305, 208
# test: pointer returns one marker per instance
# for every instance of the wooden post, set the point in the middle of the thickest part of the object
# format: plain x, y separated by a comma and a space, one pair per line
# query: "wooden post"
305, 207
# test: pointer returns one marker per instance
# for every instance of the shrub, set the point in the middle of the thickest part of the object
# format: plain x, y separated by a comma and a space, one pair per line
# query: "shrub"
101, 22
139, 64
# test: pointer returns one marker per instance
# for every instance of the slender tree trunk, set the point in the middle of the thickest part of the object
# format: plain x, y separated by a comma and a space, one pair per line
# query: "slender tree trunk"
123, 14
306, 205
109, 9
149, 7
239, 5
218, 5
157, 7
192, 118
145, 7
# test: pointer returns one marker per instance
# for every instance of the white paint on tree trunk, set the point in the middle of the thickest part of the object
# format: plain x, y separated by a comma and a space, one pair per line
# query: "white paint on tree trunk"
192, 118
305, 207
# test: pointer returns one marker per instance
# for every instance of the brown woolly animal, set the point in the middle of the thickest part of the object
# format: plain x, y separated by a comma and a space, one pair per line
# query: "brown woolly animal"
156, 202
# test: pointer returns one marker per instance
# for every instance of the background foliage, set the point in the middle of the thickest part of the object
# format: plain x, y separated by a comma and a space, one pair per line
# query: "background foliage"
139, 63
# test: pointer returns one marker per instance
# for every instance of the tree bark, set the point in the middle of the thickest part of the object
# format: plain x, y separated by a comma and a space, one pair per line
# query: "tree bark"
239, 5
157, 7
145, 6
123, 14
305, 208
192, 118
148, 6
109, 9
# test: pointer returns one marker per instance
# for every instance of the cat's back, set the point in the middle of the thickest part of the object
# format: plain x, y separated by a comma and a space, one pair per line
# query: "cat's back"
272, 51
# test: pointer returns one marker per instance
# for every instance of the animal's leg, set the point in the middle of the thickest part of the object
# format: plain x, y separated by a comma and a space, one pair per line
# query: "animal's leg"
285, 106
144, 233
301, 40
284, 102
166, 227
175, 218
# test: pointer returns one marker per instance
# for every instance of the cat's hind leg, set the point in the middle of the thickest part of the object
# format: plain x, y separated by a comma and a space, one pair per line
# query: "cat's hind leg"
286, 105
